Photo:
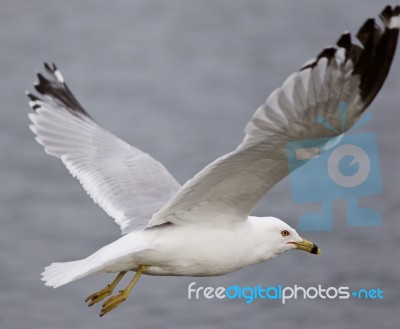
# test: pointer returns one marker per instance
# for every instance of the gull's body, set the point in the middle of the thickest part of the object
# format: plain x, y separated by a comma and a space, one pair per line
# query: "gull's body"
207, 251
204, 227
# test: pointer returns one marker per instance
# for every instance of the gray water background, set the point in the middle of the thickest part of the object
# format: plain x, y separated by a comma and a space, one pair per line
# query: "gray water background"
179, 79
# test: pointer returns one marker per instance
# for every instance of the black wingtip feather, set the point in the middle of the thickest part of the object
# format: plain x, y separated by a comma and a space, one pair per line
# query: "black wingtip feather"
42, 83
376, 58
327, 53
345, 41
388, 13
48, 68
33, 99
372, 61
55, 88
369, 34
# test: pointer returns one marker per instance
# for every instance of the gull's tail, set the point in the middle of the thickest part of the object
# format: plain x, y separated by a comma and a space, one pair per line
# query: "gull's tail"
58, 274
107, 259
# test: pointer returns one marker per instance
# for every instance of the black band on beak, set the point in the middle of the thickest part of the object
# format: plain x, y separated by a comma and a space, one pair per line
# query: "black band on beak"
314, 249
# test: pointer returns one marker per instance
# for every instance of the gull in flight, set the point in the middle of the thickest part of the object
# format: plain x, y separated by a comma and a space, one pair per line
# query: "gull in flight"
204, 227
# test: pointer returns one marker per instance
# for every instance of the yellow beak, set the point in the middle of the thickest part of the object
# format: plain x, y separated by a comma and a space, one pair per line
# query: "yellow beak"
307, 246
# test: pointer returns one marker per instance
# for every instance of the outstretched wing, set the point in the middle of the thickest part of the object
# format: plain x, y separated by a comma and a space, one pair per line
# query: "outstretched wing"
341, 80
127, 183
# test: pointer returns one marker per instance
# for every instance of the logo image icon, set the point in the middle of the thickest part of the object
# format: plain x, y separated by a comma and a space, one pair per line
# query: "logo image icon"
343, 167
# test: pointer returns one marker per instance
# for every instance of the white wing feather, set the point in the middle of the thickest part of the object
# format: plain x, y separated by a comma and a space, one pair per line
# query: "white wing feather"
126, 182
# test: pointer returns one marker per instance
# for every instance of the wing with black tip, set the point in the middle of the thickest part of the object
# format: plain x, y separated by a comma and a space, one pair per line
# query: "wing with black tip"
126, 182
341, 82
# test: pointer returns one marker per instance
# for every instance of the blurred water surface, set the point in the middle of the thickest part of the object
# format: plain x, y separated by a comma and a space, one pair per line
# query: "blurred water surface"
179, 79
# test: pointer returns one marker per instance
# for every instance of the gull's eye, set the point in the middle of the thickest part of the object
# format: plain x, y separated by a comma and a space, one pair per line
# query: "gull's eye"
285, 233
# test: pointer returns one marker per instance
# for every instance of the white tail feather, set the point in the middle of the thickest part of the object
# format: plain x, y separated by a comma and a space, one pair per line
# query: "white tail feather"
58, 274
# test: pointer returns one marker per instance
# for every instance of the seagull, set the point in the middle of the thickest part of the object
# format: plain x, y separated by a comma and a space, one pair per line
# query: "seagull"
205, 227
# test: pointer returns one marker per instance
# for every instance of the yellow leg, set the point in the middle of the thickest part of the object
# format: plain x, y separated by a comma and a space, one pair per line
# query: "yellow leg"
114, 301
103, 293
